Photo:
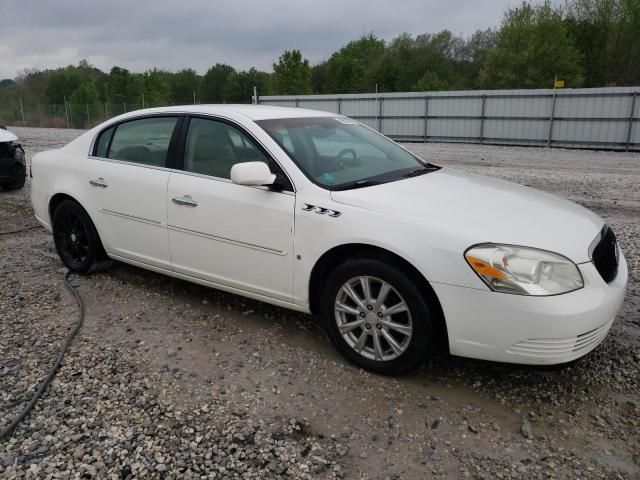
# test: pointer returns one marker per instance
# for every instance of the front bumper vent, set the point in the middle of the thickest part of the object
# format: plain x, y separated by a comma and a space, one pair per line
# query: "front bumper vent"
553, 348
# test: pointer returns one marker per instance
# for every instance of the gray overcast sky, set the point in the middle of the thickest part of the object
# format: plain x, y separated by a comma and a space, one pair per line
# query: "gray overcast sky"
172, 34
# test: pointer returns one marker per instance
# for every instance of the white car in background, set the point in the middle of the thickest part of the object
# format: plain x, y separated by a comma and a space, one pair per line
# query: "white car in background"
318, 213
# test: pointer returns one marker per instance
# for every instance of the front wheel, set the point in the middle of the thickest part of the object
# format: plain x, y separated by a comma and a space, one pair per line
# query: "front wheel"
376, 316
77, 240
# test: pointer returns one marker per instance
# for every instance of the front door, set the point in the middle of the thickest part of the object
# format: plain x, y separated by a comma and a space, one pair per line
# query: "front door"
233, 235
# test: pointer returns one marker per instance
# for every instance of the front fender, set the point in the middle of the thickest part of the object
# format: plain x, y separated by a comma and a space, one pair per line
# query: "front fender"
427, 249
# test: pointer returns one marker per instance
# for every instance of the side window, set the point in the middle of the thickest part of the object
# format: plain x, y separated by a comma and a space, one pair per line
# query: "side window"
144, 141
103, 143
214, 147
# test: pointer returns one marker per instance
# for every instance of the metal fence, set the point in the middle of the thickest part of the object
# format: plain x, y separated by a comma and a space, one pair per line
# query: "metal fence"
603, 118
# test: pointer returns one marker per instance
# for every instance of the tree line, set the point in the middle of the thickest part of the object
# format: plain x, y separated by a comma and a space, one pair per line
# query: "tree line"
586, 43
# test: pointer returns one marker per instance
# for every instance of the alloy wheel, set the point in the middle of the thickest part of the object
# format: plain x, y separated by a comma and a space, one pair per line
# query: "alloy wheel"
373, 318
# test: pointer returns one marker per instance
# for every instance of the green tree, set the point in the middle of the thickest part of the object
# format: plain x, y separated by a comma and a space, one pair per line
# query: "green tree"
430, 82
291, 74
84, 106
349, 70
121, 87
239, 85
156, 88
533, 47
214, 81
184, 85
319, 78
474, 55
607, 34
62, 83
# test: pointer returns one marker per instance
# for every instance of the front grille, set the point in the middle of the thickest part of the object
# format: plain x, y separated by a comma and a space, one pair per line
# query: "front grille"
605, 254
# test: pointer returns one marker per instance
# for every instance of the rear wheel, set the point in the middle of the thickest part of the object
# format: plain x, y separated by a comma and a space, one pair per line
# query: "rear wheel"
77, 240
376, 316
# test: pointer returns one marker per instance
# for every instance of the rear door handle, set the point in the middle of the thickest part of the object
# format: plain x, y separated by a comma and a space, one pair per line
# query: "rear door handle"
99, 182
185, 200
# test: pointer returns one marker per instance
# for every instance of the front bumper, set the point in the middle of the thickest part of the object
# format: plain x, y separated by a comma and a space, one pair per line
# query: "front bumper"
8, 170
532, 330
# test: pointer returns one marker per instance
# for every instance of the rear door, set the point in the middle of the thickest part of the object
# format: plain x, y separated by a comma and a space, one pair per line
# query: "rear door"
233, 235
128, 185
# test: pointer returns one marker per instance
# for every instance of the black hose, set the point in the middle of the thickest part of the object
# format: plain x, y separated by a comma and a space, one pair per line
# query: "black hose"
13, 232
6, 432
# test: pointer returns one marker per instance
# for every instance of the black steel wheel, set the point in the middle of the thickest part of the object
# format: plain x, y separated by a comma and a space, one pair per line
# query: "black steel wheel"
77, 240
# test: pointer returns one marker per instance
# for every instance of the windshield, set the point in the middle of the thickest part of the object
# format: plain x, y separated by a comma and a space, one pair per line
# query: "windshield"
339, 153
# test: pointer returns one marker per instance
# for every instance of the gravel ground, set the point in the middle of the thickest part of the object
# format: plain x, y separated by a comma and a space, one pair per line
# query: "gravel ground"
168, 379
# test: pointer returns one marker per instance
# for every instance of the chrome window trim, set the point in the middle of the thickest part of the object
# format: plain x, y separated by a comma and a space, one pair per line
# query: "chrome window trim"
134, 164
228, 180
183, 172
244, 130
190, 115
140, 116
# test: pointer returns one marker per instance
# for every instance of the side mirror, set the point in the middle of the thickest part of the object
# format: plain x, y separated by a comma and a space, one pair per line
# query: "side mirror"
252, 173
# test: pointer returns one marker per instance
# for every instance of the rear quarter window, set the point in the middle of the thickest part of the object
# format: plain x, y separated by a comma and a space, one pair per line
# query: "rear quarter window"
102, 145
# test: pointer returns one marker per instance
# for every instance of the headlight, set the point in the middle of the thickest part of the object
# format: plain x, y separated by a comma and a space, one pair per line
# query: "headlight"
523, 271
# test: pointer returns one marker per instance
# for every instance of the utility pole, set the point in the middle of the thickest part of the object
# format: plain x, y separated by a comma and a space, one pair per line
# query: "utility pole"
255, 95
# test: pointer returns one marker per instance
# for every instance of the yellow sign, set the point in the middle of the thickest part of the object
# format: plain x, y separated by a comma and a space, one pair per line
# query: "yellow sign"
558, 84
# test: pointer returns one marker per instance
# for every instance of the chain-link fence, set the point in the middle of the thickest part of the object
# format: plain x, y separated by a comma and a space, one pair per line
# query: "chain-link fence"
64, 115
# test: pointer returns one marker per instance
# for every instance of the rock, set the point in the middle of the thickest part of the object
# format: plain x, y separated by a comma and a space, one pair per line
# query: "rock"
525, 428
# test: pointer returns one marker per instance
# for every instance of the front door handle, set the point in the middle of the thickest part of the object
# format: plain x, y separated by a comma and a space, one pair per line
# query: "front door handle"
185, 200
99, 182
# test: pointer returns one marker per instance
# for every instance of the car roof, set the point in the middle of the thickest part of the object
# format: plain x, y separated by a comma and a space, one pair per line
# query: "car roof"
253, 112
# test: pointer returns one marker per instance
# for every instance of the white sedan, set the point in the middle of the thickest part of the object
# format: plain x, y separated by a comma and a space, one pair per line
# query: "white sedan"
318, 213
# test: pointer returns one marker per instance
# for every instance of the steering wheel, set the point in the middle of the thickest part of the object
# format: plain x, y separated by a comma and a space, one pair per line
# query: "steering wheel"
340, 162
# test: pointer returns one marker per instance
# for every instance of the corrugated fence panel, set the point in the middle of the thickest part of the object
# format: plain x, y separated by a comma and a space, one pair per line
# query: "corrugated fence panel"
359, 108
579, 118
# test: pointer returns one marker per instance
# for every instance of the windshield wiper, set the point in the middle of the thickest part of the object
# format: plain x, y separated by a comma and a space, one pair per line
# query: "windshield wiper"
358, 184
421, 171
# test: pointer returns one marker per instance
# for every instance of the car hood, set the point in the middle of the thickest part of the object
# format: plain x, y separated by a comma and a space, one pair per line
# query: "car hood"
7, 136
465, 209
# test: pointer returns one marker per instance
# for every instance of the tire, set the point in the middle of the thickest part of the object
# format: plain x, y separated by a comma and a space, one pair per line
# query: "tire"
77, 240
19, 180
410, 329
15, 185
